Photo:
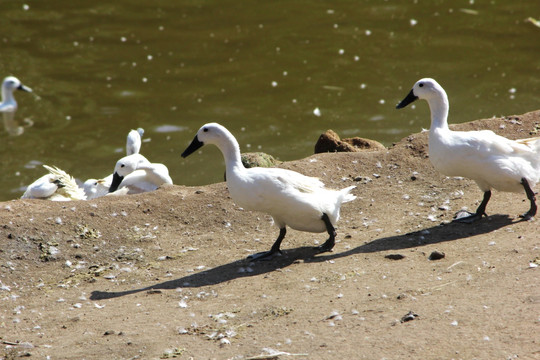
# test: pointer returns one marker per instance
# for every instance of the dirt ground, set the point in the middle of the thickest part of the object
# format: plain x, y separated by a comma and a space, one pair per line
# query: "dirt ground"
164, 274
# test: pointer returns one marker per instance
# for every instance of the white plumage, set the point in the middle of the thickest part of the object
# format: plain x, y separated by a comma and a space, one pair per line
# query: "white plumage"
95, 188
55, 186
292, 199
9, 85
137, 174
137, 181
492, 161
134, 141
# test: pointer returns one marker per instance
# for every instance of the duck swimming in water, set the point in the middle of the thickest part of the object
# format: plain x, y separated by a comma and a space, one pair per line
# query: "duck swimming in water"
9, 85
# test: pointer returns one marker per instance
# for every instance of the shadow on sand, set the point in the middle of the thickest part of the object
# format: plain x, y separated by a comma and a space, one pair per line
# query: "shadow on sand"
231, 271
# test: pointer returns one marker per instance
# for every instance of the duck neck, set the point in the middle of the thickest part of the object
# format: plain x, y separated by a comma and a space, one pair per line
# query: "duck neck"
439, 111
7, 96
231, 153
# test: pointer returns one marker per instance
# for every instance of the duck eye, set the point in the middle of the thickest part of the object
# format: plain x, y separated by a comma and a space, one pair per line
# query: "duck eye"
123, 165
421, 85
205, 129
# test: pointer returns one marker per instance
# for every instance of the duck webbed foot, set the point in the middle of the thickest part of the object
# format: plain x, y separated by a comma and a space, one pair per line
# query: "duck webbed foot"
468, 217
264, 256
268, 255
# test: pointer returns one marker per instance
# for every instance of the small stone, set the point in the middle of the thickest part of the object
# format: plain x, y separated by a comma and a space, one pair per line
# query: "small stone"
409, 317
109, 332
436, 255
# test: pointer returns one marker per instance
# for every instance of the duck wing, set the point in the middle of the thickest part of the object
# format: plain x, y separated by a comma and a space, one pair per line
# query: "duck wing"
270, 189
485, 143
137, 182
292, 180
41, 188
67, 186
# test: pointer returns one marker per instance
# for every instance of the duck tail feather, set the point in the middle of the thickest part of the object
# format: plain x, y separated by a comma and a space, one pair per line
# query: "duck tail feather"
346, 196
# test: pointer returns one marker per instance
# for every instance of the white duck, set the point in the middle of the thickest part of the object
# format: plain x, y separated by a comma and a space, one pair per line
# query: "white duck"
492, 161
55, 186
138, 174
95, 188
292, 199
10, 84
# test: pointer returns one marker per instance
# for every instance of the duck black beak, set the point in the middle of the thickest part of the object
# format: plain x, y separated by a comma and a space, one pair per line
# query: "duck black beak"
194, 146
116, 180
24, 88
408, 99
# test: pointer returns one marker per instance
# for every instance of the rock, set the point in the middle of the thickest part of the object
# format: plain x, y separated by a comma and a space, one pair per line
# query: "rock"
409, 316
330, 142
436, 255
258, 159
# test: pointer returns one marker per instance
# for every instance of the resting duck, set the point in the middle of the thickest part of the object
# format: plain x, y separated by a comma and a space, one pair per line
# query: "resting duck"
137, 174
55, 186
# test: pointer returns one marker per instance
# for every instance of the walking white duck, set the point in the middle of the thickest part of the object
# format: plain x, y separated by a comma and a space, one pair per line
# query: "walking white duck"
492, 161
137, 174
293, 199
9, 85
55, 186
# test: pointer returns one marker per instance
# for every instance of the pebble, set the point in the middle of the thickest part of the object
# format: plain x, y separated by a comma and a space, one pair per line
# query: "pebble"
409, 317
436, 255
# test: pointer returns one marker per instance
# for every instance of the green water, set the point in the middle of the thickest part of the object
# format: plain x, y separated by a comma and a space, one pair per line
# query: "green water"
258, 67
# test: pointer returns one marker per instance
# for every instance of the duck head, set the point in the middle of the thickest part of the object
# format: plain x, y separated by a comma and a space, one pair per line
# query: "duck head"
93, 187
11, 83
423, 89
124, 167
211, 133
